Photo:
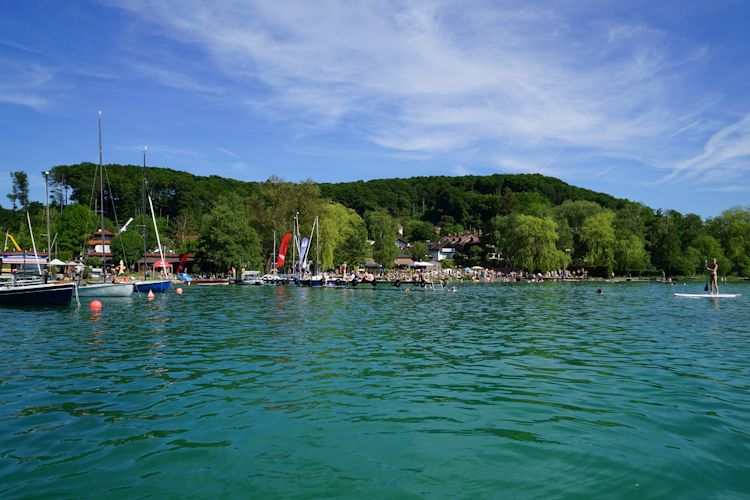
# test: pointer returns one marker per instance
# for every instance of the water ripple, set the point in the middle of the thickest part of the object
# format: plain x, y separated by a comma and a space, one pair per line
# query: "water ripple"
522, 390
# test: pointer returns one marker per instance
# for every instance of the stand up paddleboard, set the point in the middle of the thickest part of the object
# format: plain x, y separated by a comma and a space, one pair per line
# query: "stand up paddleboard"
707, 295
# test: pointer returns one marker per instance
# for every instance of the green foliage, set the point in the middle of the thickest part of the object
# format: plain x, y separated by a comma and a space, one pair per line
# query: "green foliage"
665, 243
342, 236
227, 238
598, 238
673, 242
630, 254
418, 251
528, 242
19, 195
416, 230
127, 246
382, 229
73, 226
448, 264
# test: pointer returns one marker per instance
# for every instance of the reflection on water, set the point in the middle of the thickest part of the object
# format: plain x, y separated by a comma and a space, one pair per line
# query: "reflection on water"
532, 390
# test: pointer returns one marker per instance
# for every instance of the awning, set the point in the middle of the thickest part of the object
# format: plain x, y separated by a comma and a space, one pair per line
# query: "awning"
423, 264
161, 263
57, 262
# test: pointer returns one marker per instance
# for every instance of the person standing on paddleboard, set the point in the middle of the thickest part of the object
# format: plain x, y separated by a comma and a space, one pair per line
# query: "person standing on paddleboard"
714, 268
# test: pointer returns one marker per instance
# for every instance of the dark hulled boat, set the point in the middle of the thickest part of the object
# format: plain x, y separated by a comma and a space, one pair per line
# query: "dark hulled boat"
42, 294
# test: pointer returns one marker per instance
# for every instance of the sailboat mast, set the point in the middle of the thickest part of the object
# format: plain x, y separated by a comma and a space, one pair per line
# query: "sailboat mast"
317, 245
101, 194
143, 213
274, 256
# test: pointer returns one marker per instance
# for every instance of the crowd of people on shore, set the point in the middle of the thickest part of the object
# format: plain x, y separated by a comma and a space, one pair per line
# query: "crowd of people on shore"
434, 274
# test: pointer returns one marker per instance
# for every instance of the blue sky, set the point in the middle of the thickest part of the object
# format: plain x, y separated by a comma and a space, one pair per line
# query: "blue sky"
640, 99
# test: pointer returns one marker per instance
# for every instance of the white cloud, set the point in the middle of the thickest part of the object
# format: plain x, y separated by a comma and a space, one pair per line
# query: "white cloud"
436, 77
24, 84
725, 156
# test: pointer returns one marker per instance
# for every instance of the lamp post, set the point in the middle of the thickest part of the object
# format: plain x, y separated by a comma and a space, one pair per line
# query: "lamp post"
46, 209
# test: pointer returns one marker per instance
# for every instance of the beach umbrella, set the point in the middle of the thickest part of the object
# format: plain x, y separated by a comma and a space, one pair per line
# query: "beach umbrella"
477, 268
467, 269
57, 262
161, 263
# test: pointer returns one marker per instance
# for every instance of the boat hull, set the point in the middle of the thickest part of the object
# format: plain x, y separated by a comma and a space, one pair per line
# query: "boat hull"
106, 290
200, 282
152, 286
51, 294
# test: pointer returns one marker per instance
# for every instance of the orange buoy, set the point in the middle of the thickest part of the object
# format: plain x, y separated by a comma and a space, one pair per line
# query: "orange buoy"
150, 295
178, 291
95, 305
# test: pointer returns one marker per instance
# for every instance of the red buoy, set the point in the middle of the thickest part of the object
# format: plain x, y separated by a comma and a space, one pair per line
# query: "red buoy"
95, 305
150, 295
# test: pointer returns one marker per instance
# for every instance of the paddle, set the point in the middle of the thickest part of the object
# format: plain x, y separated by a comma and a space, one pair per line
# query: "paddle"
708, 278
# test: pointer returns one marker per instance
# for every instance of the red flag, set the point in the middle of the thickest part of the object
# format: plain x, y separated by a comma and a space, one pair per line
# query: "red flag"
282, 250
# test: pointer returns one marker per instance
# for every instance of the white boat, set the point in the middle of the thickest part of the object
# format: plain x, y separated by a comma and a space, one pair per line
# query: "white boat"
106, 290
159, 285
251, 278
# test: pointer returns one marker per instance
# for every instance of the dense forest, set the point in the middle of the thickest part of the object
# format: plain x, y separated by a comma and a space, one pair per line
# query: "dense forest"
526, 221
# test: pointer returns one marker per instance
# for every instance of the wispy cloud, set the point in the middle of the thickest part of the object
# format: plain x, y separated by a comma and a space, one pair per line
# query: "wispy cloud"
228, 153
24, 84
725, 156
433, 77
525, 86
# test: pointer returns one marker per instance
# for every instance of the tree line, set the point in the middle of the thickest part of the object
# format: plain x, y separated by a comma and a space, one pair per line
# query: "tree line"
527, 221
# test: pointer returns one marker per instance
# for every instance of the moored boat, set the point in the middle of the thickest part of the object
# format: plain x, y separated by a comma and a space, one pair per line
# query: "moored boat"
106, 290
156, 286
251, 278
41, 294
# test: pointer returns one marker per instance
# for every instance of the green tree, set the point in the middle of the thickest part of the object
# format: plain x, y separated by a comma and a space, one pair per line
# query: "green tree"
354, 248
732, 230
19, 194
73, 226
571, 216
417, 230
127, 246
598, 238
664, 239
227, 239
630, 254
418, 251
339, 227
707, 248
382, 229
528, 242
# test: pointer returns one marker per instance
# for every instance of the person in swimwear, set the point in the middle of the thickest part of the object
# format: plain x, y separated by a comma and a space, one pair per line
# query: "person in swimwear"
714, 268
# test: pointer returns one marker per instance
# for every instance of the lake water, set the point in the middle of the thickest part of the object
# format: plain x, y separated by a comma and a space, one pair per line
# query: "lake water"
507, 390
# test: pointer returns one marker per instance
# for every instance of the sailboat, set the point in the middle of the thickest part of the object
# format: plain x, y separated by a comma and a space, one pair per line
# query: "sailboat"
35, 292
106, 289
145, 286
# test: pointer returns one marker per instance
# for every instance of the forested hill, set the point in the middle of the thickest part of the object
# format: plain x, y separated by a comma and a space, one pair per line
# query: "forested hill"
528, 221
468, 201
173, 191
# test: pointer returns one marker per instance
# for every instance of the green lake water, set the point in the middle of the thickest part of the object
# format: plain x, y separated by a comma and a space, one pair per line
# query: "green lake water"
542, 390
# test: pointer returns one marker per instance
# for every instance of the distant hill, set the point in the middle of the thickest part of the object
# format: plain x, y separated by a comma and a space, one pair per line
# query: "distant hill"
465, 200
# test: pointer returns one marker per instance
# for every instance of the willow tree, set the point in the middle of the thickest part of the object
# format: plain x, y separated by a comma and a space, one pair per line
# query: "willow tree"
342, 236
382, 229
528, 242
598, 239
227, 239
